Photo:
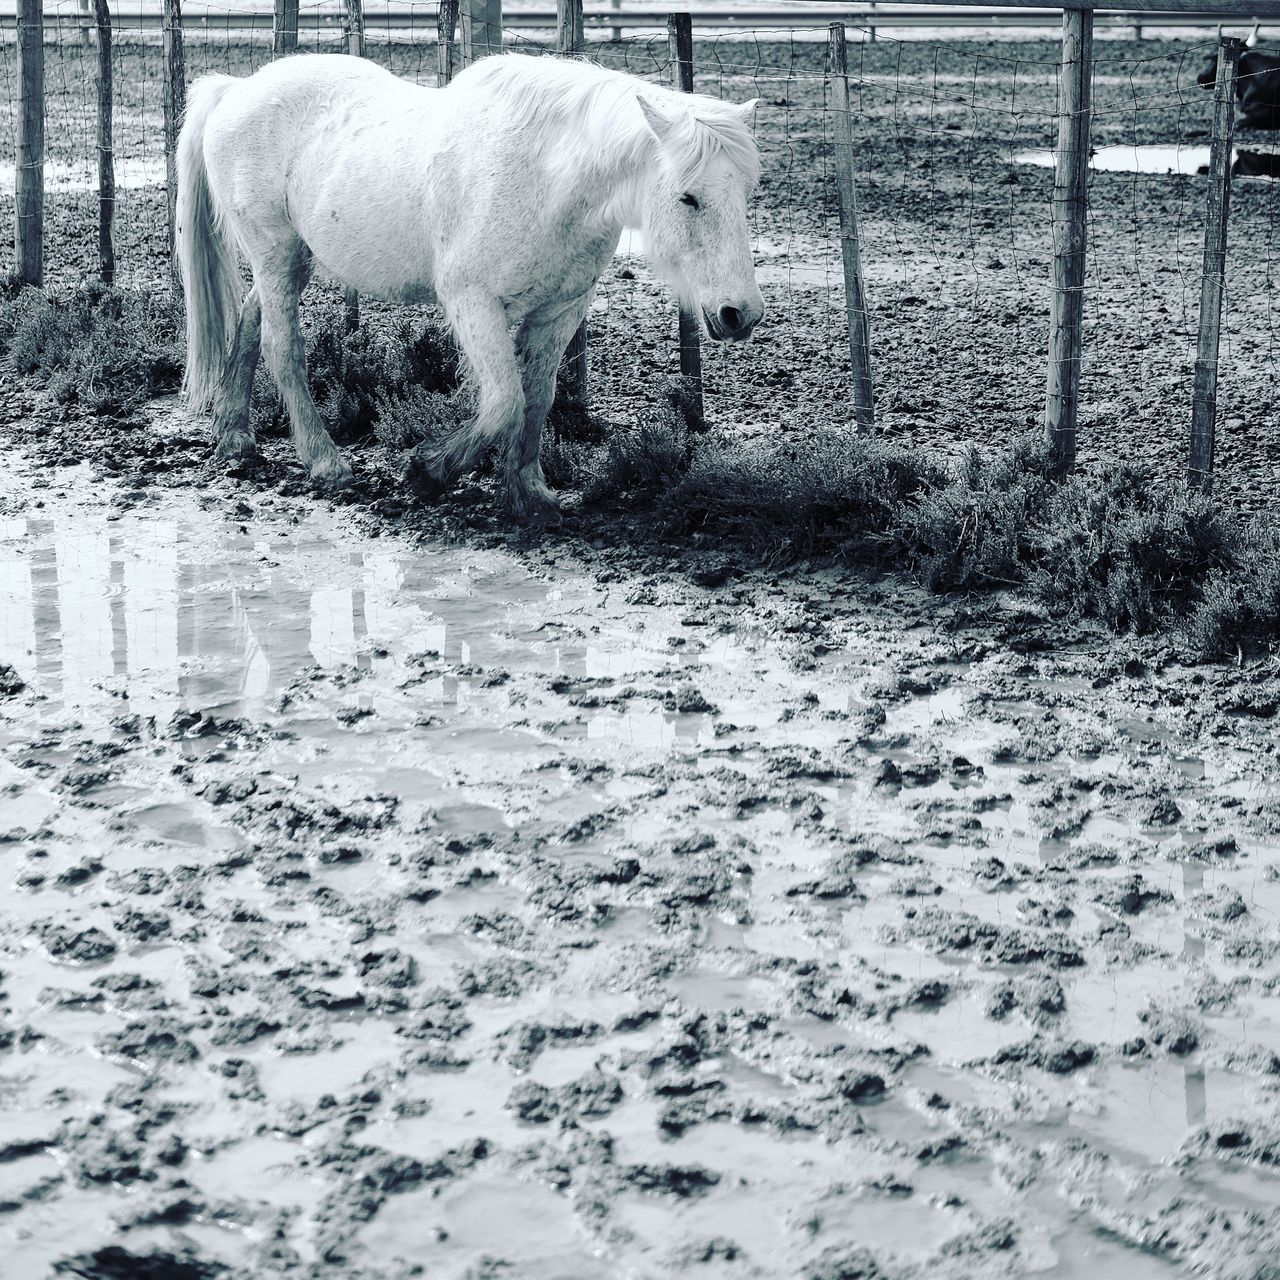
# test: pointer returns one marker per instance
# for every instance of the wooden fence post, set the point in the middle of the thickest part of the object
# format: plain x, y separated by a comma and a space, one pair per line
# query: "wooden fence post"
1204, 402
355, 28
29, 178
680, 43
855, 300
446, 35
481, 29
106, 150
174, 94
284, 33
1070, 213
355, 47
570, 40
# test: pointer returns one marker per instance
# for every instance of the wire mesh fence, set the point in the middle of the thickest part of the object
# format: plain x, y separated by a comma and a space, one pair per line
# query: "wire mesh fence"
953, 161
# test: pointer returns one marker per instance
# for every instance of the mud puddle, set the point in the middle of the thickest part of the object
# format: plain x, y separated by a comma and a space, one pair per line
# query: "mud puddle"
373, 906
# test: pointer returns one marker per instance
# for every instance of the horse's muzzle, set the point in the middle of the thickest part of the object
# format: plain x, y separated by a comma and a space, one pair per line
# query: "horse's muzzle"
732, 324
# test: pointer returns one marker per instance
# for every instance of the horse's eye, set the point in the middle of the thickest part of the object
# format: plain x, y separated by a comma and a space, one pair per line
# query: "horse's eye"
690, 200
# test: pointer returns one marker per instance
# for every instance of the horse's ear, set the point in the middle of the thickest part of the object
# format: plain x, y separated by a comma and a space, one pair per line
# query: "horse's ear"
748, 110
660, 124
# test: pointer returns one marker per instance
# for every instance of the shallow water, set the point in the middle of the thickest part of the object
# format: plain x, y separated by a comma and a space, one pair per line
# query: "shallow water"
59, 175
1160, 158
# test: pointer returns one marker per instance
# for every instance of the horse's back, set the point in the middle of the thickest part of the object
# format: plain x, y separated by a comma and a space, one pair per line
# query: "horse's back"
264, 124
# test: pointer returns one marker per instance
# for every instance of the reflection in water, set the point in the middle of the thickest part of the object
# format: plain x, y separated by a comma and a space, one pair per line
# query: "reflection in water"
79, 610
1193, 947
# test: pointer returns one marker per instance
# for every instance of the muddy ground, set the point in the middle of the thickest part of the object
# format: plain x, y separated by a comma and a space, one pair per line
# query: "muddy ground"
956, 239
389, 894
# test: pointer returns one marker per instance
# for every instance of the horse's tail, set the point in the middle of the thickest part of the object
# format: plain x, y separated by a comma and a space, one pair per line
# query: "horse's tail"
206, 258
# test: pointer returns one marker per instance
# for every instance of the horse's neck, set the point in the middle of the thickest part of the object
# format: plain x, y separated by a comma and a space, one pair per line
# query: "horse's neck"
612, 183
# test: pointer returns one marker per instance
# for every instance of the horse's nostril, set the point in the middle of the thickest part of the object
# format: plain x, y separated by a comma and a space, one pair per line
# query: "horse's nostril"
731, 318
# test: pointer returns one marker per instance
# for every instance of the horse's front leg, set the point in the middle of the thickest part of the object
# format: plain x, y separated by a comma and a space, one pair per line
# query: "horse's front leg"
480, 325
541, 342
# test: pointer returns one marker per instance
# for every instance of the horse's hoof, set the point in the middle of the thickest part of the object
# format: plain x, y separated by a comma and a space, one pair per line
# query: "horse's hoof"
537, 510
332, 473
236, 446
423, 480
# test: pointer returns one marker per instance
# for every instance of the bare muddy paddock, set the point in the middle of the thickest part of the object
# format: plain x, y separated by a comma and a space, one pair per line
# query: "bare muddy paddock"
376, 906
956, 241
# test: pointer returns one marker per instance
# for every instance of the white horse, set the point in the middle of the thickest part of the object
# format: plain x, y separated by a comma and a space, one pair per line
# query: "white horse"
502, 197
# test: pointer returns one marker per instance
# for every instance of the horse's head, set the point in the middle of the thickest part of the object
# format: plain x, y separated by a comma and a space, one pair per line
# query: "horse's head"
693, 210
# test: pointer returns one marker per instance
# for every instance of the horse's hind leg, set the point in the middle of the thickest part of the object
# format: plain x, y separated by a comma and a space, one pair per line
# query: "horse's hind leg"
541, 343
480, 325
286, 353
232, 431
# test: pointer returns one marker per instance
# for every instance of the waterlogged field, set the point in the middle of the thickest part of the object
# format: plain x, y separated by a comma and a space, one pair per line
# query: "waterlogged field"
378, 905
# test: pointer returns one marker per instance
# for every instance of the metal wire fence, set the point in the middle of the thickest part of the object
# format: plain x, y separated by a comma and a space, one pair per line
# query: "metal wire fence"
953, 160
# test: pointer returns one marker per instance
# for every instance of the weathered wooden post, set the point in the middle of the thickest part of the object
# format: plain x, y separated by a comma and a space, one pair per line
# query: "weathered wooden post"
284, 29
569, 37
355, 47
680, 42
174, 93
355, 28
570, 40
1070, 211
481, 29
446, 48
106, 150
29, 178
1204, 401
855, 300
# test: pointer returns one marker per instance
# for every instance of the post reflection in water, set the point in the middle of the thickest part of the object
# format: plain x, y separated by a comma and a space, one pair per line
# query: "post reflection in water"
135, 611
1193, 946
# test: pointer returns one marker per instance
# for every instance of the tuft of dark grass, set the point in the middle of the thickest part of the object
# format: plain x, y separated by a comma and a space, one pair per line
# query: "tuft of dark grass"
974, 527
1125, 547
373, 380
104, 349
1117, 544
1238, 605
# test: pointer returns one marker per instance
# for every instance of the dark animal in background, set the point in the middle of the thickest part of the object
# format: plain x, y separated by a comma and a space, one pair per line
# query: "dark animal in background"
1257, 86
1256, 164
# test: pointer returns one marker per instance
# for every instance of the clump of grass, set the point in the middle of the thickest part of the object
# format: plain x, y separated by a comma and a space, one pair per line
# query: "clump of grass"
832, 493
1117, 544
104, 349
410, 415
974, 528
1239, 604
1123, 546
372, 380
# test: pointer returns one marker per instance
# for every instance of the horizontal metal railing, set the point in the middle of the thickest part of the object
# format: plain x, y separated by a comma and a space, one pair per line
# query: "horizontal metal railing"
868, 15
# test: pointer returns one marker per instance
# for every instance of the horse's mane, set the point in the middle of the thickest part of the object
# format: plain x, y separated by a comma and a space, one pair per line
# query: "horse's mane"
598, 108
